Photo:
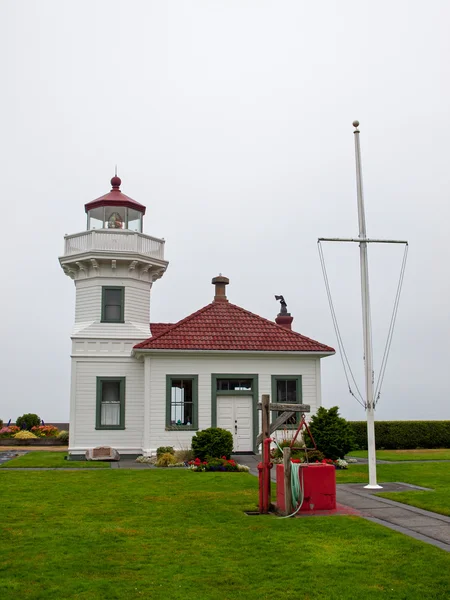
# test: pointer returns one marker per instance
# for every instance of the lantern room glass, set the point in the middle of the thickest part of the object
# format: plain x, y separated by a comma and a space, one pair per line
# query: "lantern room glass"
114, 217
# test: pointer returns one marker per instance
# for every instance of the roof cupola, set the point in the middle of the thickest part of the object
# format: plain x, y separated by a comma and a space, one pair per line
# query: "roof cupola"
115, 210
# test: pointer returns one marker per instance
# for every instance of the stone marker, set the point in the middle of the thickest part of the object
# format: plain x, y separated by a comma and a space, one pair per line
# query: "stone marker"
102, 453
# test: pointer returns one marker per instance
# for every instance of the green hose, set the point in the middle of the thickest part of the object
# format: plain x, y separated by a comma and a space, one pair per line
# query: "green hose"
296, 488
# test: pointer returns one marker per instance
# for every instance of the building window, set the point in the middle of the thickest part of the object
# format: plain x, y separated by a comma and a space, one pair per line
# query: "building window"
110, 403
182, 401
113, 304
287, 389
234, 385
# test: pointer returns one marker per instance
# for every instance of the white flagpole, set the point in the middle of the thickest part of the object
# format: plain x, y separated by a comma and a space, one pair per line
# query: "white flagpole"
367, 332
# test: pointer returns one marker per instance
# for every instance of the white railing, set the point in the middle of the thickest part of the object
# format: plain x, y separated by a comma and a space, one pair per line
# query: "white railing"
118, 241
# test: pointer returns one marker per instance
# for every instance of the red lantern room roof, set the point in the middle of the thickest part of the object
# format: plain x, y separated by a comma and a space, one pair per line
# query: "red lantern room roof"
115, 198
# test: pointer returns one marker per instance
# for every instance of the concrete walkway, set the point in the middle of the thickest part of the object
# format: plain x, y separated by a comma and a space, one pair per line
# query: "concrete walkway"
419, 524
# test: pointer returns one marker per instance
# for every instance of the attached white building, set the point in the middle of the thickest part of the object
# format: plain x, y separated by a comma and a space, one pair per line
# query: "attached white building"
137, 385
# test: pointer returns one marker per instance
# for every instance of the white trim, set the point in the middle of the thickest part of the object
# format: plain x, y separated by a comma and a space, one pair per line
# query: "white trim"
73, 399
318, 384
147, 380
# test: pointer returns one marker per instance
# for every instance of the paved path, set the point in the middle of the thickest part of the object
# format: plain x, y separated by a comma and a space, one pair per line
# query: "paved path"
420, 524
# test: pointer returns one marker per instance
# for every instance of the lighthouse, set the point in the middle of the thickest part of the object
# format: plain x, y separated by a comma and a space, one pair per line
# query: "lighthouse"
113, 265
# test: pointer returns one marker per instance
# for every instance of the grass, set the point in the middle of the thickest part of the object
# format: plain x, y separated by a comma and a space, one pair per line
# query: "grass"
53, 460
178, 535
436, 454
431, 475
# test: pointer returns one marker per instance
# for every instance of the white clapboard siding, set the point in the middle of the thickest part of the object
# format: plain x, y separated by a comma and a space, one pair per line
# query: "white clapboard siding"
83, 434
89, 305
263, 366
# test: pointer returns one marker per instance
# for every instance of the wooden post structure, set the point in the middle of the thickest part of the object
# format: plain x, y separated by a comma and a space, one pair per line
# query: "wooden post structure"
287, 481
264, 439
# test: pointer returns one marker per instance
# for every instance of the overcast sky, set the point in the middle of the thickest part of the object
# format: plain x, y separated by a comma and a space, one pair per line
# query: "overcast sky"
232, 122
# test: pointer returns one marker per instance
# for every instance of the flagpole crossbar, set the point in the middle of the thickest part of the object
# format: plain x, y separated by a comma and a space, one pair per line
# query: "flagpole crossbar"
359, 240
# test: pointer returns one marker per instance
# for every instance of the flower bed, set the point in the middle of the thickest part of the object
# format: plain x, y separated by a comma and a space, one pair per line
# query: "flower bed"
39, 435
217, 464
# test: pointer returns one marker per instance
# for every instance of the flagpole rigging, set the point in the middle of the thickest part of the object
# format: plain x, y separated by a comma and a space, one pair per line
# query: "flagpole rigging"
363, 241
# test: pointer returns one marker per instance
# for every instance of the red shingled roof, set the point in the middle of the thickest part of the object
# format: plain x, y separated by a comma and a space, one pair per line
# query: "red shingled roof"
225, 326
157, 328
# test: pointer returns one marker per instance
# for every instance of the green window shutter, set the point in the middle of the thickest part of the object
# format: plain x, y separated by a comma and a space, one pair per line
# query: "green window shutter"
182, 402
113, 304
110, 403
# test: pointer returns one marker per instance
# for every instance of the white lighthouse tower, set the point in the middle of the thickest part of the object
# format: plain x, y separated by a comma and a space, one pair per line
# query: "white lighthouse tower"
113, 264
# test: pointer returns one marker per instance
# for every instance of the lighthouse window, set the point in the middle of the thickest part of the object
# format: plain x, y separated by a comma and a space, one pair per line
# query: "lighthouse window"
110, 403
113, 304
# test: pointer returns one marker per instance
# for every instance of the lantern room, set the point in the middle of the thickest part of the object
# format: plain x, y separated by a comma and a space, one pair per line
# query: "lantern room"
115, 210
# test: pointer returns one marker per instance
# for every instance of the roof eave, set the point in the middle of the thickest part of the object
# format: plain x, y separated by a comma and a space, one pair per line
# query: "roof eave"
150, 351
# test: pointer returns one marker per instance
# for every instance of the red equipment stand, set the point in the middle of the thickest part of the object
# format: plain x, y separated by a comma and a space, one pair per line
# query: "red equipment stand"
319, 487
264, 478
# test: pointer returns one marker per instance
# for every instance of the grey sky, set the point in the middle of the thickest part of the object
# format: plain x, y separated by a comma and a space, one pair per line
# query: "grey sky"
231, 121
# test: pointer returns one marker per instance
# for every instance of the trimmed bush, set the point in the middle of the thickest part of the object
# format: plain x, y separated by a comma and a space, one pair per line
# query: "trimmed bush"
404, 435
212, 443
332, 433
28, 421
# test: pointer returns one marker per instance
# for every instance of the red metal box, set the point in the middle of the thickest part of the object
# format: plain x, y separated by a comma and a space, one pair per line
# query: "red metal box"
319, 487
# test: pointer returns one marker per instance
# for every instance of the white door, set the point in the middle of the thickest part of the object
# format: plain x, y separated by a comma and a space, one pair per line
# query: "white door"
234, 413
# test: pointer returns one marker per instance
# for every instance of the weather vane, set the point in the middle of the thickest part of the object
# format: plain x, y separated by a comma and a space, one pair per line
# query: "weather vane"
283, 310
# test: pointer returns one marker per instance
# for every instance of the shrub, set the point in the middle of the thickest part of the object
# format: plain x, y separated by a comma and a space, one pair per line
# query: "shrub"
28, 421
63, 436
1, 424
333, 434
313, 455
166, 459
212, 442
164, 450
25, 435
404, 435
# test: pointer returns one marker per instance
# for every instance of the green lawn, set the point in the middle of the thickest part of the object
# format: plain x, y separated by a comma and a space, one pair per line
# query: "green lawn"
178, 535
54, 460
431, 475
437, 454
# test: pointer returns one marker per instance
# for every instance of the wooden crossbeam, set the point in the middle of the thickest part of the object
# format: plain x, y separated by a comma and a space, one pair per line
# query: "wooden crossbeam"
289, 410
291, 407
274, 426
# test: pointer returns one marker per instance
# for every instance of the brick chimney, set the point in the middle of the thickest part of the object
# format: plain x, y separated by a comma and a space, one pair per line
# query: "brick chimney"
283, 318
220, 282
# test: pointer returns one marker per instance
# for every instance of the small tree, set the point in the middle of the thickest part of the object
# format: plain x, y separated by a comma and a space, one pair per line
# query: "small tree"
212, 442
28, 421
332, 433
